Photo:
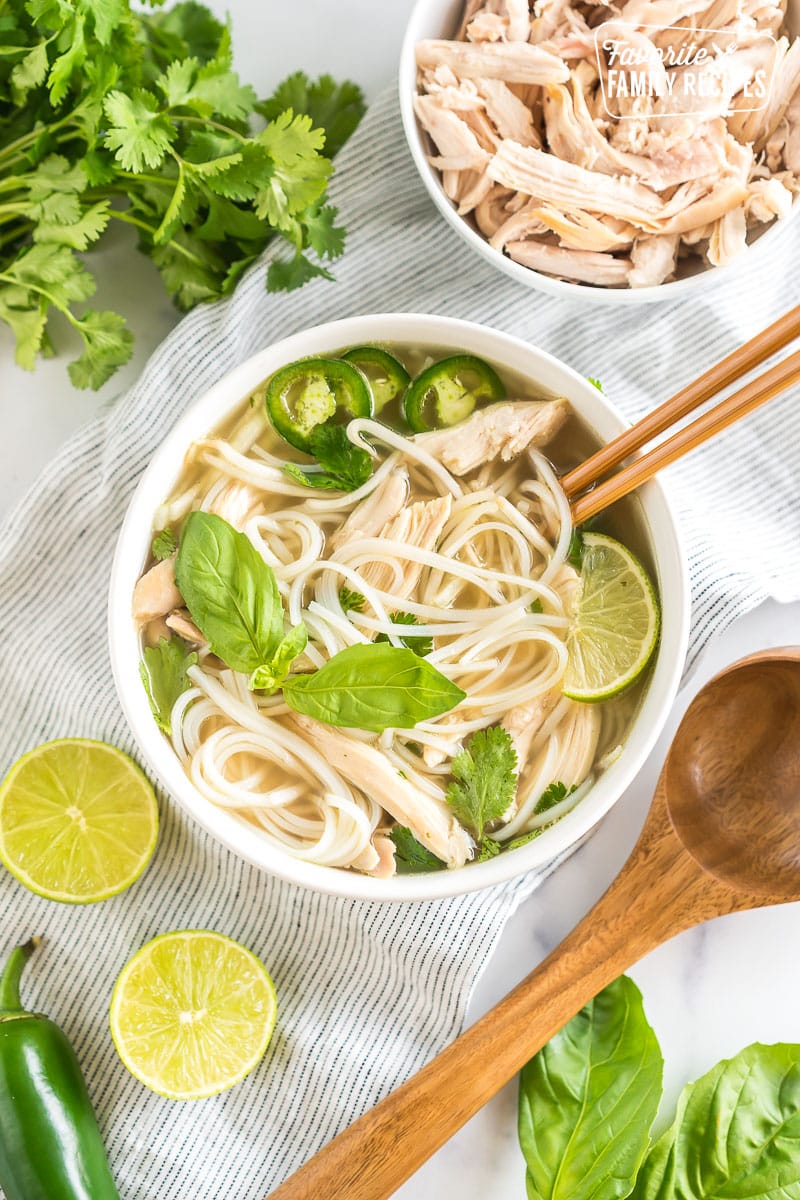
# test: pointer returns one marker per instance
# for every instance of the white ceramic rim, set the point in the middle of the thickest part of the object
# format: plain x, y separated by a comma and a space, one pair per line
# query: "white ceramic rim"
419, 27
133, 547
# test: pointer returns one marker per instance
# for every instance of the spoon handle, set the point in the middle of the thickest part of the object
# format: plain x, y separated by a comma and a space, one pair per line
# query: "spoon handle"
659, 892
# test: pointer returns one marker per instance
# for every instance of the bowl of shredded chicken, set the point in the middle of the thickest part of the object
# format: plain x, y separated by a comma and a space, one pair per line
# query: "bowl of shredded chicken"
619, 149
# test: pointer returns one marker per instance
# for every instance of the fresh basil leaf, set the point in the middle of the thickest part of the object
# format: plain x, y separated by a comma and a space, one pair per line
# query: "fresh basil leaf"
484, 779
374, 687
736, 1133
588, 1099
164, 545
271, 675
163, 671
230, 591
411, 857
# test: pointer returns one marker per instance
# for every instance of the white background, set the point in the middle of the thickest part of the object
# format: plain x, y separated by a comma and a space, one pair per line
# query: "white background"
708, 992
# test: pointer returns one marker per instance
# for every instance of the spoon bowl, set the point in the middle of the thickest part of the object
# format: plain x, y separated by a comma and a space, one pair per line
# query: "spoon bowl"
732, 777
722, 835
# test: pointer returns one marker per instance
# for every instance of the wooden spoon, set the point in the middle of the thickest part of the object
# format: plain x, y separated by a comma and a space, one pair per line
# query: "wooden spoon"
723, 835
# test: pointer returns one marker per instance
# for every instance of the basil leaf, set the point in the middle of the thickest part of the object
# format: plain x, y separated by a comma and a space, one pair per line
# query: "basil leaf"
163, 671
411, 857
588, 1099
736, 1132
375, 687
271, 675
230, 592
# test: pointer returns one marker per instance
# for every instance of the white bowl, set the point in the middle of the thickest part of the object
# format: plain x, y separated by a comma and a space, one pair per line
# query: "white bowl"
440, 19
133, 547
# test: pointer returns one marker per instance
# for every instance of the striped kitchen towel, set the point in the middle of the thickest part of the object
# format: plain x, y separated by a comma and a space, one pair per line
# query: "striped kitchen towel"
367, 993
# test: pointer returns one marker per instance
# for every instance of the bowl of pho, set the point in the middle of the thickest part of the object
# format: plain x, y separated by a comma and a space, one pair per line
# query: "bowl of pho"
353, 630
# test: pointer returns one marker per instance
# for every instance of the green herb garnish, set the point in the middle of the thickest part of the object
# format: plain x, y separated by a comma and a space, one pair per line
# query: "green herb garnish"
113, 114
164, 545
420, 643
351, 601
345, 467
163, 670
373, 686
233, 598
411, 857
552, 795
484, 779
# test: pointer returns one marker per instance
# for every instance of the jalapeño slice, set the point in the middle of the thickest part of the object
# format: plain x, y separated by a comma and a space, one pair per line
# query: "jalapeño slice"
447, 392
310, 392
386, 375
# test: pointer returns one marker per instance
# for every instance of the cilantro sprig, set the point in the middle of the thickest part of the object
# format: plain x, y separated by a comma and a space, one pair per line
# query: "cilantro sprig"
111, 115
484, 779
345, 466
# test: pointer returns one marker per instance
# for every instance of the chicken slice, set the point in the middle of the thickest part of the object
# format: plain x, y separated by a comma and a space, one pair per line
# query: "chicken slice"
181, 623
767, 199
430, 820
508, 114
459, 149
419, 525
156, 593
369, 517
236, 503
513, 62
501, 430
384, 848
518, 15
583, 266
523, 722
728, 239
581, 231
487, 27
566, 185
653, 260
523, 224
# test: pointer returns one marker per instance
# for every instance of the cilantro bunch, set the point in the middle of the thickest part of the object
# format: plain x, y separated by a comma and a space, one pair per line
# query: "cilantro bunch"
106, 115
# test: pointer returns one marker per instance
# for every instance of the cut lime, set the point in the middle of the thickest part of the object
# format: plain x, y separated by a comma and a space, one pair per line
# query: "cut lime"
192, 1013
615, 624
78, 821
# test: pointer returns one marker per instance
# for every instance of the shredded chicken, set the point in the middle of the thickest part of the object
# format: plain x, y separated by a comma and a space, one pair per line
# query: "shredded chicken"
616, 186
156, 593
501, 430
524, 722
369, 517
420, 525
384, 849
517, 62
430, 820
181, 623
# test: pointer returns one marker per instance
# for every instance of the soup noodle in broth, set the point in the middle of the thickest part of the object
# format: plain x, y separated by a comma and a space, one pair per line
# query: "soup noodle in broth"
458, 547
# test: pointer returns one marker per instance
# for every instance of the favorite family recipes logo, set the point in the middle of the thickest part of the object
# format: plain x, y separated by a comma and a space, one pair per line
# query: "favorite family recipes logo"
706, 72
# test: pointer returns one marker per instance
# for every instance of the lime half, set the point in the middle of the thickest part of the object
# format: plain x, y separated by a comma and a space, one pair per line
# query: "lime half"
192, 1013
615, 624
78, 821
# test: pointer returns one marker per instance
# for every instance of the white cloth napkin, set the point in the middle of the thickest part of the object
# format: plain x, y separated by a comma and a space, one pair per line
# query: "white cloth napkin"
366, 993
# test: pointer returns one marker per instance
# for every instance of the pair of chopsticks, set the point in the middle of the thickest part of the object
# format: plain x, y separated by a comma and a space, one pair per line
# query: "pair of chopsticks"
585, 503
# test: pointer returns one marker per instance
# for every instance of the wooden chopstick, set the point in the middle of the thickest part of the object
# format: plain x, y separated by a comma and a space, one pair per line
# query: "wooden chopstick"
723, 373
779, 377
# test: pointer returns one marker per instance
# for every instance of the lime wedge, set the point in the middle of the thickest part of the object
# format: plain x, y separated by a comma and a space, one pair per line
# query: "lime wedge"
78, 821
615, 624
192, 1013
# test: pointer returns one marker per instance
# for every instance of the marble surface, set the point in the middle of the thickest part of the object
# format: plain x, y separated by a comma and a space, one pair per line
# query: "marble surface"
708, 992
